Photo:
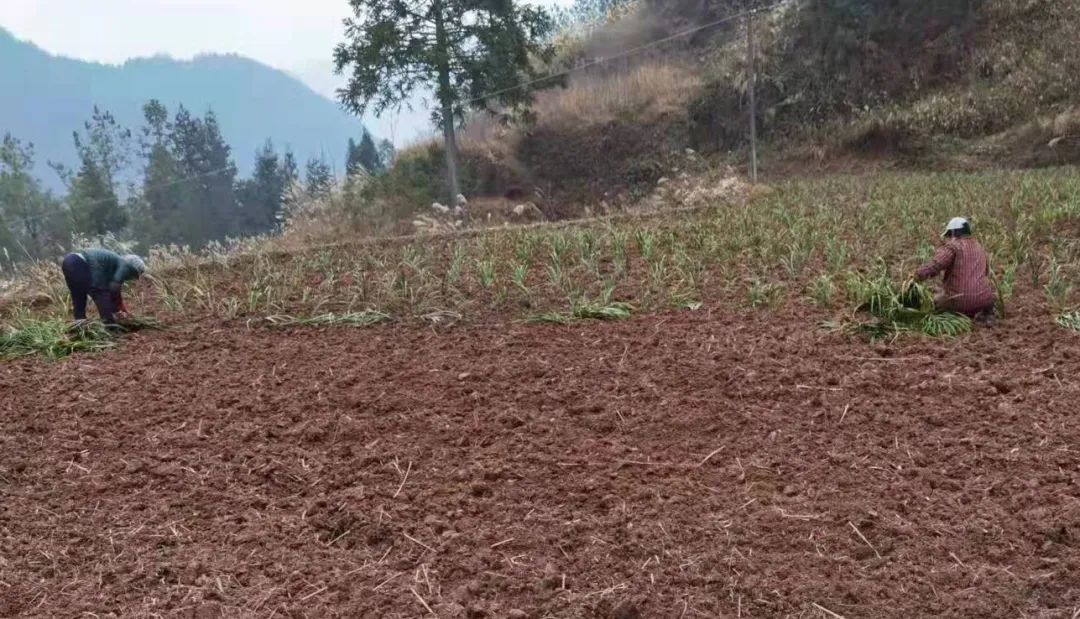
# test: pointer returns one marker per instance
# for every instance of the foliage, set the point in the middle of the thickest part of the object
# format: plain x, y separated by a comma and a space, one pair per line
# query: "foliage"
892, 76
31, 219
261, 196
94, 191
366, 157
471, 54
894, 311
581, 308
42, 93
318, 178
53, 339
857, 233
1070, 320
588, 13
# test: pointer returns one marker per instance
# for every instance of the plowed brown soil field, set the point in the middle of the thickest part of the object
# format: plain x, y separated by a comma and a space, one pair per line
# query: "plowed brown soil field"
705, 464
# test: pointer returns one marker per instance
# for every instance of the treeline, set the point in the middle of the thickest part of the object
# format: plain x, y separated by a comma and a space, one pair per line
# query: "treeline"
172, 181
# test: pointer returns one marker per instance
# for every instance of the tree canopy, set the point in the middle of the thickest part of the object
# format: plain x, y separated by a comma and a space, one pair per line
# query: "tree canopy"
470, 53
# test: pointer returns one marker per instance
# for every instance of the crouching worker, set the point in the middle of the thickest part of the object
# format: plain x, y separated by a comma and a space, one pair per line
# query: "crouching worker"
100, 274
967, 274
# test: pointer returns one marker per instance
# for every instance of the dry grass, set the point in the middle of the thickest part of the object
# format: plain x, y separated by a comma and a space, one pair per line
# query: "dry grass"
638, 95
815, 239
641, 94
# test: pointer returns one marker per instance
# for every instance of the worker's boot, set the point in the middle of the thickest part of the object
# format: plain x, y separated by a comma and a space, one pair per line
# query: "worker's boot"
987, 317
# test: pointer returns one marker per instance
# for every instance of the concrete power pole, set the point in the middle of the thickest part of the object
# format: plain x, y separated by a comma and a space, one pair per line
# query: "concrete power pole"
752, 81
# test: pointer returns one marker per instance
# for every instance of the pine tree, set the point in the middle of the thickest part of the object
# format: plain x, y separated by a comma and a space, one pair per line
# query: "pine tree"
368, 154
262, 196
470, 52
210, 209
95, 208
352, 159
32, 221
93, 195
290, 170
159, 216
319, 180
386, 154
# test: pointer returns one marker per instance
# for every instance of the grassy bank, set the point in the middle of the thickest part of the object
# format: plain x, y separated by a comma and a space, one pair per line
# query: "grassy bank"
818, 240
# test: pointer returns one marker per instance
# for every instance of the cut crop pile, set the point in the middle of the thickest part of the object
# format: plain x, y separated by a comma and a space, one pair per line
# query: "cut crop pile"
886, 311
55, 339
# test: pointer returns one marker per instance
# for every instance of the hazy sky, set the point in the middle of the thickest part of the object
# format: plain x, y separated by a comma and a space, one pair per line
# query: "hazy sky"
295, 35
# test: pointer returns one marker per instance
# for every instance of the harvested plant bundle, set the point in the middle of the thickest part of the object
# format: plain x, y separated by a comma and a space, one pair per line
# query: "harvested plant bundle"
54, 339
909, 309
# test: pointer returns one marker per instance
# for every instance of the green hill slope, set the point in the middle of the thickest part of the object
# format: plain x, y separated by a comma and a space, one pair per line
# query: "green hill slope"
44, 98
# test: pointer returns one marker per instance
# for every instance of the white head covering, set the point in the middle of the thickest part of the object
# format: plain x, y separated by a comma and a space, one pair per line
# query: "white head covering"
955, 224
136, 263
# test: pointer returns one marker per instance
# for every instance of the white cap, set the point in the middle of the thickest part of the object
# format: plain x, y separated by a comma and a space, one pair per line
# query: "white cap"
956, 223
136, 263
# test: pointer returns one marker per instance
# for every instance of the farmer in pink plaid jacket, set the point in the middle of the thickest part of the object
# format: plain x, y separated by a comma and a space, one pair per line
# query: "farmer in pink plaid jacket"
967, 288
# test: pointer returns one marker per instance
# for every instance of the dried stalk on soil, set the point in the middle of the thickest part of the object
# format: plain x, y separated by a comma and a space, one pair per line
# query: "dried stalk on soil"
404, 478
827, 611
863, 538
367, 318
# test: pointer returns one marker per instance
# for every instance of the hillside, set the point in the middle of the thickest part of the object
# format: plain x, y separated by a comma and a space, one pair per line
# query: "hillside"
842, 84
46, 97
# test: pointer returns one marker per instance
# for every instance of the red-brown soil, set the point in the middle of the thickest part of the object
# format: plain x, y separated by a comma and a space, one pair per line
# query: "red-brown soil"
688, 465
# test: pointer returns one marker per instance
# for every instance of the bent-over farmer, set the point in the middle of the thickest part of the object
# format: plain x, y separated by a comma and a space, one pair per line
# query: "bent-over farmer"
967, 273
100, 274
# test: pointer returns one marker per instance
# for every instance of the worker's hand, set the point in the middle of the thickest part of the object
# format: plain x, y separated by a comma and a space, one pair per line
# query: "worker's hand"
122, 316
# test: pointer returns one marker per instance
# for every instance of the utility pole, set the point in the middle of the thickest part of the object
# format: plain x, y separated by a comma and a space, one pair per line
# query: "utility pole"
752, 82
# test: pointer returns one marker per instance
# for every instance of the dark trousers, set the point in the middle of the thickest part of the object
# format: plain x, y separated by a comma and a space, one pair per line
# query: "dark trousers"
79, 283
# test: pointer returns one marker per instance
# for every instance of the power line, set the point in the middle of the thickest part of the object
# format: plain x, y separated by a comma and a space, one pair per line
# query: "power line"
627, 53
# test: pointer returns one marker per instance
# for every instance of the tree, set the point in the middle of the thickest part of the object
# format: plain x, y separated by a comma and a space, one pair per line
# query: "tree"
30, 219
260, 196
95, 207
290, 170
386, 153
208, 174
93, 192
472, 53
352, 159
368, 154
587, 12
319, 181
159, 213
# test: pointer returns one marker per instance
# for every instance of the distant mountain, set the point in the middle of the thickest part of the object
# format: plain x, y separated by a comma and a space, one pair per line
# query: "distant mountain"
44, 98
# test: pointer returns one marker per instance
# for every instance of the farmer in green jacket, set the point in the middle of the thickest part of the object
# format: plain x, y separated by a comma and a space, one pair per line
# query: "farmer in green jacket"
100, 274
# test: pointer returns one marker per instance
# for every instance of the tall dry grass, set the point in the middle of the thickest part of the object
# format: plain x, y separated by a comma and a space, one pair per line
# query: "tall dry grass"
638, 95
642, 93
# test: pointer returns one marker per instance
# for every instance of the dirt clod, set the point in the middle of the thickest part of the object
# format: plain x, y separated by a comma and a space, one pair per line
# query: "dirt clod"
626, 610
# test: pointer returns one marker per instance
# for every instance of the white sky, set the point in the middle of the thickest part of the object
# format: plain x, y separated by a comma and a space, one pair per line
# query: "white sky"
295, 35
